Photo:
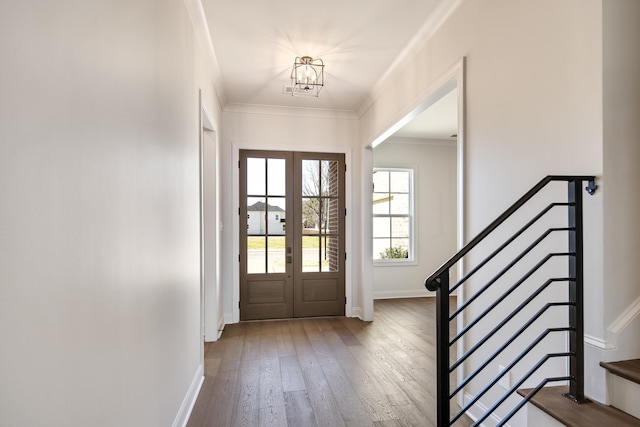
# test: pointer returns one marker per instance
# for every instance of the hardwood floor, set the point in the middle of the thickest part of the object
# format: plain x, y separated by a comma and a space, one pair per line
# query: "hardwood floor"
324, 371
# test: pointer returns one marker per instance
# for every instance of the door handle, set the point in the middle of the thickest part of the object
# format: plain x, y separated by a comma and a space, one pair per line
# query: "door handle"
289, 256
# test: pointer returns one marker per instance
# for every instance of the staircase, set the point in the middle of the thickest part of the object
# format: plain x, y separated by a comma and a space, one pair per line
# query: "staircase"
549, 407
505, 296
624, 385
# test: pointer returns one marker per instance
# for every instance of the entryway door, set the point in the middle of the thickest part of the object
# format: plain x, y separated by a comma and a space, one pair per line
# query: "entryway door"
292, 245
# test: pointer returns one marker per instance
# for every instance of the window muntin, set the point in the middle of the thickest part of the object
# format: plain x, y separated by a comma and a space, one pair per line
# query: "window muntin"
266, 212
320, 215
393, 215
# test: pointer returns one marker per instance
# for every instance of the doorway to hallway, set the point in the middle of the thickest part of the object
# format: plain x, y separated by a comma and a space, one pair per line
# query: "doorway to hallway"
292, 244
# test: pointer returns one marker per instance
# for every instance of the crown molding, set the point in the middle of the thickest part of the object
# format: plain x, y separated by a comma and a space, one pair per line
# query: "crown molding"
274, 110
201, 29
441, 13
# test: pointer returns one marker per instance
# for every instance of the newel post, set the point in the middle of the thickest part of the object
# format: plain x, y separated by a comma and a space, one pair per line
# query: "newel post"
442, 349
576, 292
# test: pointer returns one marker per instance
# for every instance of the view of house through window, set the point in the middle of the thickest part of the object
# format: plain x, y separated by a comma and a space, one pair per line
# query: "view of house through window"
267, 216
392, 214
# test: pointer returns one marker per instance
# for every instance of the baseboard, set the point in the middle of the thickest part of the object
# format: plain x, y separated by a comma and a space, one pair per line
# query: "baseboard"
597, 342
408, 293
357, 312
190, 399
617, 328
228, 318
631, 313
621, 342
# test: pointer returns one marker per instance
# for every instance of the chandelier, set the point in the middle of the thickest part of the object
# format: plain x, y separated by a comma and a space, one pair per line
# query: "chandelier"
307, 76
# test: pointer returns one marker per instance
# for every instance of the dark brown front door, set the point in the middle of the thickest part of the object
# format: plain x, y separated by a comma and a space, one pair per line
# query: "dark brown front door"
291, 234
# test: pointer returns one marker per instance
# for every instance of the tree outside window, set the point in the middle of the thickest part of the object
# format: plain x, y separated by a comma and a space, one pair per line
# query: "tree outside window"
392, 215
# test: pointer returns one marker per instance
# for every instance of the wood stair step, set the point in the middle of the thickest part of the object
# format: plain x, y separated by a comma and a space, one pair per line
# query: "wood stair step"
627, 369
571, 414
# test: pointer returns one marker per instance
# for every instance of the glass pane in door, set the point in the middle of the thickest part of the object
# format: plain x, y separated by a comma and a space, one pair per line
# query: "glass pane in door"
256, 239
310, 253
320, 216
276, 254
276, 224
256, 254
330, 254
256, 168
277, 177
266, 215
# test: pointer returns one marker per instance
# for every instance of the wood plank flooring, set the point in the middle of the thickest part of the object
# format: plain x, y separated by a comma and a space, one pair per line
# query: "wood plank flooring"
324, 371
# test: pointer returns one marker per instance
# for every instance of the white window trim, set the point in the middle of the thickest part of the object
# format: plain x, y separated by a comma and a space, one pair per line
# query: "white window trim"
413, 259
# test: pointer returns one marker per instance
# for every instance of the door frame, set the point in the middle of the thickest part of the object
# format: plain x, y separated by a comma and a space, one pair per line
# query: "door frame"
211, 312
455, 77
295, 280
256, 145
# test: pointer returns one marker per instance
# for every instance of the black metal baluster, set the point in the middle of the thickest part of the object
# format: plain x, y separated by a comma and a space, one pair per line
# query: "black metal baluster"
442, 346
439, 282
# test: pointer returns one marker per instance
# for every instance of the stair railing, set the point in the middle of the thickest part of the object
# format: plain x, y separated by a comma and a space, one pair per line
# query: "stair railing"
439, 282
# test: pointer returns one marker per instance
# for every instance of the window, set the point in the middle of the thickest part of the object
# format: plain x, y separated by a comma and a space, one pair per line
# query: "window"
392, 215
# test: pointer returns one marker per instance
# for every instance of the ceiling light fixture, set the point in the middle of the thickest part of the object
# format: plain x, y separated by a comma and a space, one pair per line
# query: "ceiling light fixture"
307, 76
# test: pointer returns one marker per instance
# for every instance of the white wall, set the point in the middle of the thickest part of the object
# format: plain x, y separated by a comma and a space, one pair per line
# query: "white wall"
621, 153
533, 107
621, 161
99, 229
295, 130
434, 162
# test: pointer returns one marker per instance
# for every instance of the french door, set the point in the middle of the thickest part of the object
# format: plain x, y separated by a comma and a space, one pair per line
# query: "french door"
292, 252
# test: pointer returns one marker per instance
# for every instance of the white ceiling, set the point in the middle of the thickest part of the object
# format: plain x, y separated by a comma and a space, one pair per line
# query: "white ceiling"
360, 41
439, 121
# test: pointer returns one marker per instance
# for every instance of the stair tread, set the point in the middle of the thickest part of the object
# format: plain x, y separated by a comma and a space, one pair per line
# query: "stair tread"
571, 414
627, 369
